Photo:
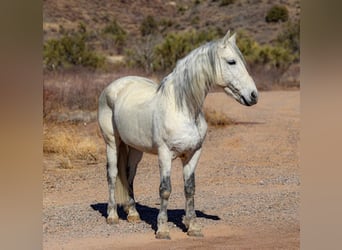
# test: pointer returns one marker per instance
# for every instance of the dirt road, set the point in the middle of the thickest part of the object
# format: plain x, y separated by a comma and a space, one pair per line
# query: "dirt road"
247, 188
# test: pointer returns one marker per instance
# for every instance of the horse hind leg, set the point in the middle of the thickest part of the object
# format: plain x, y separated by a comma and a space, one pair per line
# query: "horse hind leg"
134, 157
112, 171
107, 126
117, 179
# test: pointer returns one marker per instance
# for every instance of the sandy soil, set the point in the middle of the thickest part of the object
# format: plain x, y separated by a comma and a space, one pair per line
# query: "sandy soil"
247, 188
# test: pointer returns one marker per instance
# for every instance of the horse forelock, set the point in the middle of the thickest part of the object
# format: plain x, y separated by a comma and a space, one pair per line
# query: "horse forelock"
193, 77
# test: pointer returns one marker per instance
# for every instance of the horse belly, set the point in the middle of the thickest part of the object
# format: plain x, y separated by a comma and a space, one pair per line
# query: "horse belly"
133, 119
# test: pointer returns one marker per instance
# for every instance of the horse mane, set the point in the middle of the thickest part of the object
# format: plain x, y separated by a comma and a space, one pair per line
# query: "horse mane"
192, 78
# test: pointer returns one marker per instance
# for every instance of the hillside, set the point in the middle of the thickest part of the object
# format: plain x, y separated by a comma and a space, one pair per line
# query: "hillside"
179, 15
132, 50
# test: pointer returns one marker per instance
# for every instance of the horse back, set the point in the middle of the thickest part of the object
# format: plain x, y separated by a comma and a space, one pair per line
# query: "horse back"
132, 87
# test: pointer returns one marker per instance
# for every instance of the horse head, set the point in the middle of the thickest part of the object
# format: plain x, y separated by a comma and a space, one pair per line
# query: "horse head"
234, 77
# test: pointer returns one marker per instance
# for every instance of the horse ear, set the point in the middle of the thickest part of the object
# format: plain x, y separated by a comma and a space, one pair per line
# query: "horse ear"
226, 38
232, 39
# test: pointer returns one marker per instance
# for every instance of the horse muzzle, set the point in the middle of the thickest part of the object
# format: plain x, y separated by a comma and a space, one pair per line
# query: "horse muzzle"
250, 99
247, 98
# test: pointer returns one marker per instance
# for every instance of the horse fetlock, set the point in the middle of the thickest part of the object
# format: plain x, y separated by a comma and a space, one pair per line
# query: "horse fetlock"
186, 221
133, 215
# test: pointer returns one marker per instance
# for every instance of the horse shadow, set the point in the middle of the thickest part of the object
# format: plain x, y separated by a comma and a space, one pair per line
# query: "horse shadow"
150, 214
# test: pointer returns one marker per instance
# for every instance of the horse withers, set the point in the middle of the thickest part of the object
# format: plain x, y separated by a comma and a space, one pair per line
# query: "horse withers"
137, 115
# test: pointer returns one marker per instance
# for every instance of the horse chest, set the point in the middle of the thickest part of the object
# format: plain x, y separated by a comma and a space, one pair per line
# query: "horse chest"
185, 138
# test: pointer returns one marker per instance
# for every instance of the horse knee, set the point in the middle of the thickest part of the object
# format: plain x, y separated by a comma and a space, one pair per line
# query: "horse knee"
165, 188
165, 194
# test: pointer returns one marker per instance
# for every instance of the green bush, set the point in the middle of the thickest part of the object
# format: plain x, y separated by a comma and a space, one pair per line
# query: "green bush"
148, 26
70, 50
248, 47
277, 13
277, 56
290, 38
115, 33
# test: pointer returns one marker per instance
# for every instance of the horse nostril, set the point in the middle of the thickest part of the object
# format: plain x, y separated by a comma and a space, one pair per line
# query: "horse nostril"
254, 95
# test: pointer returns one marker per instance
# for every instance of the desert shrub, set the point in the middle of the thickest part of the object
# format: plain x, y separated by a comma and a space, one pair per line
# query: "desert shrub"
277, 13
217, 118
164, 24
115, 34
142, 55
226, 2
70, 50
290, 38
195, 20
148, 26
276, 56
248, 46
182, 9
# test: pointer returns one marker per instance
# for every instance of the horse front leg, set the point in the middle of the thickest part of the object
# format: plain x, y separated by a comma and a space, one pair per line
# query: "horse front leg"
164, 156
189, 220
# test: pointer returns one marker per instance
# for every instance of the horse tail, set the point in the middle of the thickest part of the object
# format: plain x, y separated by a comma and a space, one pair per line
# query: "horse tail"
121, 183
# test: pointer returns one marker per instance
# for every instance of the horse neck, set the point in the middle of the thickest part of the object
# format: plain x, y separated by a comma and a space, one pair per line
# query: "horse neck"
191, 80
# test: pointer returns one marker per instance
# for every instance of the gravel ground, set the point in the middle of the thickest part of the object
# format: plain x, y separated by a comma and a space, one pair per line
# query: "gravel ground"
247, 188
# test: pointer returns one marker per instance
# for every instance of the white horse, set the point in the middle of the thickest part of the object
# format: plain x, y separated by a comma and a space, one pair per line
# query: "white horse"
137, 115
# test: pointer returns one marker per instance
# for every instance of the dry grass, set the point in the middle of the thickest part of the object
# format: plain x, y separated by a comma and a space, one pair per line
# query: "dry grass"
78, 90
73, 91
70, 144
217, 118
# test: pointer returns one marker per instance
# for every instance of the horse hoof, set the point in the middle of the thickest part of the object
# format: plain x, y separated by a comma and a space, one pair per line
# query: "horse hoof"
163, 235
195, 233
111, 220
133, 218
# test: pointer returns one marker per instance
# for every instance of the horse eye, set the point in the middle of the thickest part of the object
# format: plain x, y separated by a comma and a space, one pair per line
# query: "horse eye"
231, 62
